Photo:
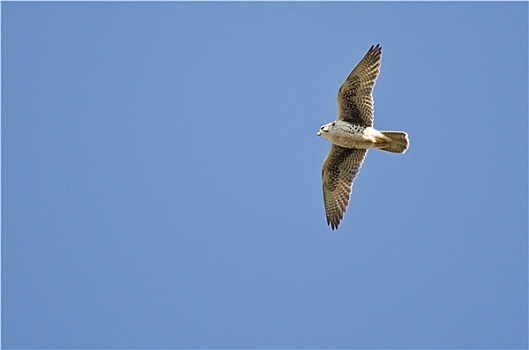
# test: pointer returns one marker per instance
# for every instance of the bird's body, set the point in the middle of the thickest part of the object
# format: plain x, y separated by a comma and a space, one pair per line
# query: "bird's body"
352, 134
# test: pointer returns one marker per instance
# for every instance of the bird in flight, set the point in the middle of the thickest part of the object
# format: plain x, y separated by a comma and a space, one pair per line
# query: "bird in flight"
352, 134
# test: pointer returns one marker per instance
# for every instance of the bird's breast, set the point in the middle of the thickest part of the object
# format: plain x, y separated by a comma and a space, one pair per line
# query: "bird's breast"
352, 137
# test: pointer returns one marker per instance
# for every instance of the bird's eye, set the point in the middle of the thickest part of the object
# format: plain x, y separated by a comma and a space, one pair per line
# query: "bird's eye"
333, 123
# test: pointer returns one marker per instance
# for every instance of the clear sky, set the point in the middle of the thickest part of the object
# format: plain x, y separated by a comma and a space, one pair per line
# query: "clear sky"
161, 176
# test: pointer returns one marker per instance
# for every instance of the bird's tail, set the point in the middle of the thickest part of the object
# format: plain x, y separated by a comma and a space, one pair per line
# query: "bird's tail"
398, 141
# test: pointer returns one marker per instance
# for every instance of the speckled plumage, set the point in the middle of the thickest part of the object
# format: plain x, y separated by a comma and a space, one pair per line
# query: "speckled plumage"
352, 134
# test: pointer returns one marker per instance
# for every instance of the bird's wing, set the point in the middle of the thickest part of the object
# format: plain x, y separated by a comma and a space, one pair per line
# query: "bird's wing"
355, 99
339, 170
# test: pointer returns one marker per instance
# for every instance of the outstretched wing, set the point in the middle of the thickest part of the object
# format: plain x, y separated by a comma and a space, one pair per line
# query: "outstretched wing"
355, 99
339, 170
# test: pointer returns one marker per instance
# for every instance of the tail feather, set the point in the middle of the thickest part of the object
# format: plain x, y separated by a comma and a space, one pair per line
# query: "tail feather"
398, 142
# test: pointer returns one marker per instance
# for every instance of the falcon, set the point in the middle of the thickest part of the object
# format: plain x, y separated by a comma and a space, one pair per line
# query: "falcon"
352, 134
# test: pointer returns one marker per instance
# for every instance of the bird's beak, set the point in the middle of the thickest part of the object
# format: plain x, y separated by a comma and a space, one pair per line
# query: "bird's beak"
319, 133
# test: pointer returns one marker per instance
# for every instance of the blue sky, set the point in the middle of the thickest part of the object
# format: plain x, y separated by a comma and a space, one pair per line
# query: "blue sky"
161, 176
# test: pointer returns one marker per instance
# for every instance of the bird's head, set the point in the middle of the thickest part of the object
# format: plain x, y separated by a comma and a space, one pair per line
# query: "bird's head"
326, 128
